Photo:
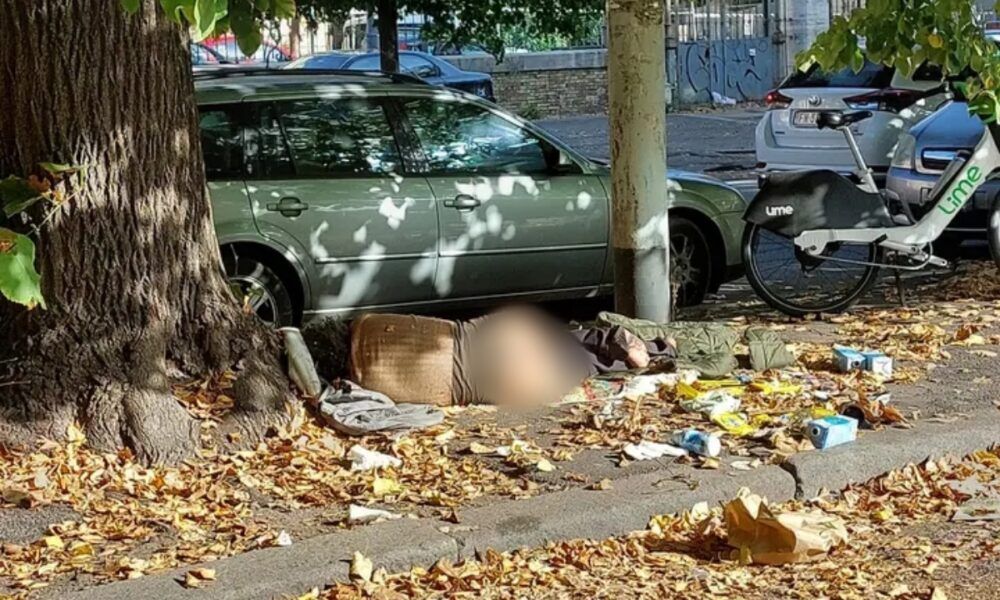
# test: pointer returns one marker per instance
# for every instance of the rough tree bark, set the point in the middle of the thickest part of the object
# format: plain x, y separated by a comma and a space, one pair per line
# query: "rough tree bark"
131, 269
388, 35
295, 36
637, 111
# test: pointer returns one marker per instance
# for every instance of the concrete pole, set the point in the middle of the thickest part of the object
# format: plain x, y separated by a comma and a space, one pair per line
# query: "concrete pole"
637, 106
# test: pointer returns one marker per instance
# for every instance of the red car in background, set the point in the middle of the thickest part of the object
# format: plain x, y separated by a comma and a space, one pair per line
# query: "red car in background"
268, 55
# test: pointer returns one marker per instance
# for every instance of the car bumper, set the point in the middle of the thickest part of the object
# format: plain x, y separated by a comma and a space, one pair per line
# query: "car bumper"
732, 226
832, 152
915, 189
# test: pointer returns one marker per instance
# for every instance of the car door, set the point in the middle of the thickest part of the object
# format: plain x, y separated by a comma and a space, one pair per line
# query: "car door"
515, 216
327, 172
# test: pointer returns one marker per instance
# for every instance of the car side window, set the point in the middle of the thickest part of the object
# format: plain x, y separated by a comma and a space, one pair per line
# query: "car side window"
367, 63
267, 146
419, 66
464, 138
338, 138
222, 143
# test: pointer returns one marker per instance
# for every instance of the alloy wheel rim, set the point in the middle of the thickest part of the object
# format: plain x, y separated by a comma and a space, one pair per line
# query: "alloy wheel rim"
257, 298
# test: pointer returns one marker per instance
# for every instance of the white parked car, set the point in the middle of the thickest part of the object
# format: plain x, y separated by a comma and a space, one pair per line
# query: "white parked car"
787, 136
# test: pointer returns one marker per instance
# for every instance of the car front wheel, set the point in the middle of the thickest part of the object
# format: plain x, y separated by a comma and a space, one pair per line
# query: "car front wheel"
260, 289
690, 262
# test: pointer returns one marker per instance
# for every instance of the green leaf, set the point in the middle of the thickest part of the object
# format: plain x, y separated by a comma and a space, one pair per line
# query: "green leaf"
283, 9
245, 26
16, 195
59, 169
131, 6
203, 18
19, 281
174, 8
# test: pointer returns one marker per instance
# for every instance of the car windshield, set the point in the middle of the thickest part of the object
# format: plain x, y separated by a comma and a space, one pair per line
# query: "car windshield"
870, 76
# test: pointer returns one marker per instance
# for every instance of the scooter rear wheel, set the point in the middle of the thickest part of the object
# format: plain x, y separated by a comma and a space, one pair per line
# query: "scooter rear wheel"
797, 284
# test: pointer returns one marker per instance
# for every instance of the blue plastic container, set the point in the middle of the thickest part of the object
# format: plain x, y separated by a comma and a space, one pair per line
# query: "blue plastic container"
829, 432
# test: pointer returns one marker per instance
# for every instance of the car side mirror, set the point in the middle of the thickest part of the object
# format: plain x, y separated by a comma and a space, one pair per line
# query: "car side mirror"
564, 164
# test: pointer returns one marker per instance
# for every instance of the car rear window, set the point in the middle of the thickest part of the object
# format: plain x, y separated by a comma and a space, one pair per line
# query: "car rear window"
870, 76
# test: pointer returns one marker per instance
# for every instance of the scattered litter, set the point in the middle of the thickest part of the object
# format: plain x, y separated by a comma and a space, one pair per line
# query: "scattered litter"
870, 413
772, 388
196, 577
363, 459
718, 98
353, 410
847, 359
386, 486
762, 536
979, 509
832, 431
878, 363
545, 466
712, 404
283, 540
698, 442
646, 450
361, 567
301, 369
481, 449
363, 514
647, 385
873, 361
735, 424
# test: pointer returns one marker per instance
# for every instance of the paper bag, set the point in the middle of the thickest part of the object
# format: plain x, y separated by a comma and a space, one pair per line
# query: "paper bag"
764, 537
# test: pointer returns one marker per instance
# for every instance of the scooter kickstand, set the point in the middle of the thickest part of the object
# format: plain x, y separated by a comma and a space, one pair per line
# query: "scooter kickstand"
900, 289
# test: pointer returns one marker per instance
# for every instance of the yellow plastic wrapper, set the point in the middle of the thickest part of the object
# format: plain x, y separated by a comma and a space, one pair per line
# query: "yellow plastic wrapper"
735, 424
776, 387
762, 536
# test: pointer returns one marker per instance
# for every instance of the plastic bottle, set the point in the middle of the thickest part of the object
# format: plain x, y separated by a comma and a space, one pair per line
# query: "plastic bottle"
698, 442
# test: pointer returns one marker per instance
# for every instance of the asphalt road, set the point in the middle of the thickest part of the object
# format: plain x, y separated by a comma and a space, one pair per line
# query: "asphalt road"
719, 143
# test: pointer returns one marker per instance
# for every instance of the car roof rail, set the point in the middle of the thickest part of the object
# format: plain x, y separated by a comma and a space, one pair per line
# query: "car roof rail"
253, 71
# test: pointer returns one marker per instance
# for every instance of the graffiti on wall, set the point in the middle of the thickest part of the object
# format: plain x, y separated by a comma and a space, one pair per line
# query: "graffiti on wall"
741, 70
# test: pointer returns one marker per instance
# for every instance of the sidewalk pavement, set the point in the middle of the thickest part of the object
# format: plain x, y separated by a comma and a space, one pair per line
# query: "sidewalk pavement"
946, 392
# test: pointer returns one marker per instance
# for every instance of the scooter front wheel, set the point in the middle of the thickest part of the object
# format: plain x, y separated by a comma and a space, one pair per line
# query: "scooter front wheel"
798, 284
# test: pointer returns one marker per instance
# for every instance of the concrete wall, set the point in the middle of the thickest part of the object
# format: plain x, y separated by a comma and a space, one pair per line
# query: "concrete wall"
547, 84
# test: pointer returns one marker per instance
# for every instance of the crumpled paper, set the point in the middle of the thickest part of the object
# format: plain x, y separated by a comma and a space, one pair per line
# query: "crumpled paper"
363, 459
764, 537
646, 450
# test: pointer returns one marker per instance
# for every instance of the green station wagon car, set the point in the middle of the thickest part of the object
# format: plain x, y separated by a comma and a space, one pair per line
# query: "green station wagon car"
340, 192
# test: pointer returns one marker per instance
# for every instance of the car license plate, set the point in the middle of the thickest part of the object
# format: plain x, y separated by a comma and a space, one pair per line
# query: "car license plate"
806, 118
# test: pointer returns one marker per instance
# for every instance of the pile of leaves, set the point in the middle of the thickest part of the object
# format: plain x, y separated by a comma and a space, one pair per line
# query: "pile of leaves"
133, 519
893, 552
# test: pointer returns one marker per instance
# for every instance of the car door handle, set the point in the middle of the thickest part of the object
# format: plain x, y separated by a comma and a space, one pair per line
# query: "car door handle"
288, 207
464, 202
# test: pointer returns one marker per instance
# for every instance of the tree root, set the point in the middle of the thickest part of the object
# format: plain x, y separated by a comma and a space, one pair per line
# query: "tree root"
262, 400
148, 421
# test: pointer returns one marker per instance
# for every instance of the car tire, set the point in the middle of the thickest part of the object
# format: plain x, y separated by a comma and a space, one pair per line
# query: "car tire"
690, 262
260, 286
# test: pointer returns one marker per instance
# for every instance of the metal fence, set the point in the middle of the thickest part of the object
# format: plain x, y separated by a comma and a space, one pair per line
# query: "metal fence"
843, 8
719, 20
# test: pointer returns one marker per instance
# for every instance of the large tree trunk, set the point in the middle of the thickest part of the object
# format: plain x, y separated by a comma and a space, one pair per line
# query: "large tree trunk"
131, 269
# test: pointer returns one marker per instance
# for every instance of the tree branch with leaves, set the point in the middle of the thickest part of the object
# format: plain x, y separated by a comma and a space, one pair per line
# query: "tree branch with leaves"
906, 34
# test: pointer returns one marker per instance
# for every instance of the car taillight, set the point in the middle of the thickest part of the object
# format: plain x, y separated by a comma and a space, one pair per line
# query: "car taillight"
884, 100
776, 99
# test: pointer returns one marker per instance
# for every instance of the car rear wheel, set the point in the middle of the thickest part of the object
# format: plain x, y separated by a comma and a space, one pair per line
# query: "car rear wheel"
260, 288
690, 262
